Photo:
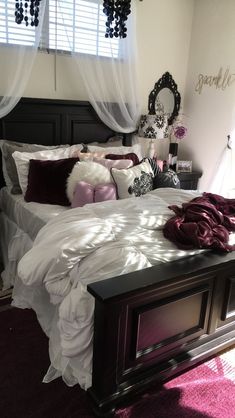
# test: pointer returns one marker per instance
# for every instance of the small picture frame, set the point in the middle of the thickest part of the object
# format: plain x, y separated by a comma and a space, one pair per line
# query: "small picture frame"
184, 166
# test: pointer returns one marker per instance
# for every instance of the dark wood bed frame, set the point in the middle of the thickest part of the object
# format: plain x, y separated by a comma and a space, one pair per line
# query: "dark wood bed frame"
54, 122
151, 324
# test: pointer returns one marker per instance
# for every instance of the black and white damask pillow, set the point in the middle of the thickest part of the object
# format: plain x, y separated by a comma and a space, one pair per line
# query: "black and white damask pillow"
156, 169
134, 181
167, 178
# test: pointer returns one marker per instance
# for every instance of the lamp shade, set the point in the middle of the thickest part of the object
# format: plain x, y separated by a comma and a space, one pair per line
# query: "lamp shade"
153, 126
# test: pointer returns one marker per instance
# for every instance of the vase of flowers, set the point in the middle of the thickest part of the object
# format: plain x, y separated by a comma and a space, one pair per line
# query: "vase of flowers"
177, 132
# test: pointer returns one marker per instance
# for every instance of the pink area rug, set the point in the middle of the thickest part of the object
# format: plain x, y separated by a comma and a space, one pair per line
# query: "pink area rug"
207, 390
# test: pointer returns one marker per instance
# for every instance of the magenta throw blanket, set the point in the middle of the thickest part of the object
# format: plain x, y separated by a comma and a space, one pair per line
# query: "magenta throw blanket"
204, 222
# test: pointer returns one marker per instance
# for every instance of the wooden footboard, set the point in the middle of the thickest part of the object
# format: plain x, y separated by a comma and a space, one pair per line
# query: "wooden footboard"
152, 324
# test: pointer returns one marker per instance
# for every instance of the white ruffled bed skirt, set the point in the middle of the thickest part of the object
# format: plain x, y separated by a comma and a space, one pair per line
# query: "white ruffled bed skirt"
14, 244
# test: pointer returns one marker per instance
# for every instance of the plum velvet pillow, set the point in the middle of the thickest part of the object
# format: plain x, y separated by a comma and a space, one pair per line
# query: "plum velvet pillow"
9, 166
87, 193
130, 156
47, 181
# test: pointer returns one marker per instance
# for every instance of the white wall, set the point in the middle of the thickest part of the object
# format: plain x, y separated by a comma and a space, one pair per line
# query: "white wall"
52, 79
211, 114
163, 38
163, 30
164, 34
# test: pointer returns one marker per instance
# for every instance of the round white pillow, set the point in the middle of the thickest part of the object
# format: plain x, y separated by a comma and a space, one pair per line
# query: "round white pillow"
90, 172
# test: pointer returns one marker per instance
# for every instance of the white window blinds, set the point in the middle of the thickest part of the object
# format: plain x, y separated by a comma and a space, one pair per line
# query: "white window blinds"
69, 25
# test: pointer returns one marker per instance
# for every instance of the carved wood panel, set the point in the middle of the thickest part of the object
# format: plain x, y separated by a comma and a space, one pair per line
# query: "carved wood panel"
52, 122
228, 309
165, 322
152, 324
169, 321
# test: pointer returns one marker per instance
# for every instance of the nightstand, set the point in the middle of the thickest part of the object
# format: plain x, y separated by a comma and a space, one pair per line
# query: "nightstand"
189, 181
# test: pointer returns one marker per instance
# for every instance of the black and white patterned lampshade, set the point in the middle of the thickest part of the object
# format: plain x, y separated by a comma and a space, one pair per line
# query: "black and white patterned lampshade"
153, 126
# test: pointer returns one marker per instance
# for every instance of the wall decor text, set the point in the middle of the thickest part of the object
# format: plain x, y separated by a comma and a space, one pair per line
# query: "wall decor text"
221, 81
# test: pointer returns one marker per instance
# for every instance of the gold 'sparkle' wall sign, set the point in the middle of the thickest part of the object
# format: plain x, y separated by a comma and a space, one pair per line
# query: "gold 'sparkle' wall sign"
221, 81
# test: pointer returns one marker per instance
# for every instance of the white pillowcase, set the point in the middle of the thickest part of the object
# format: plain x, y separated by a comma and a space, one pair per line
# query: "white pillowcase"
112, 142
22, 162
133, 181
4, 170
75, 148
87, 156
90, 172
119, 164
122, 150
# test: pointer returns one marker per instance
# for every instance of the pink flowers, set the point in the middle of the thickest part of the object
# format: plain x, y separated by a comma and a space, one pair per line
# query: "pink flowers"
179, 131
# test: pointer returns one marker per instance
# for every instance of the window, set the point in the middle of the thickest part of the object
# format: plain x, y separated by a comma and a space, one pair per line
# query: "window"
69, 25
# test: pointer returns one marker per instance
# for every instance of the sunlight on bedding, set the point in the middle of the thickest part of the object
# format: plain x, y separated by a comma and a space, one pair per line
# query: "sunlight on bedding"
88, 244
231, 239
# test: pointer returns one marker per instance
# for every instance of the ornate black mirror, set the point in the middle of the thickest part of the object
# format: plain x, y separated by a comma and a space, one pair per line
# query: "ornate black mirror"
165, 93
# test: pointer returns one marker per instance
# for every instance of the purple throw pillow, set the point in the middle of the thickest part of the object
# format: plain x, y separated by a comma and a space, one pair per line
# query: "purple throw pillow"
87, 193
107, 191
47, 181
83, 194
130, 156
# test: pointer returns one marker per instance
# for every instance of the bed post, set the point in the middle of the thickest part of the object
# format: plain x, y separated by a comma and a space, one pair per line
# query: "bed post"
127, 139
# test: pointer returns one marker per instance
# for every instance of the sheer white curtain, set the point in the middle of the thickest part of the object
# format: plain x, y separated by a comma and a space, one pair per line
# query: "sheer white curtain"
223, 181
16, 59
109, 73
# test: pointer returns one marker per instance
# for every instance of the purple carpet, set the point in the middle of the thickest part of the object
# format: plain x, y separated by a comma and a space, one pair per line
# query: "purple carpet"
205, 391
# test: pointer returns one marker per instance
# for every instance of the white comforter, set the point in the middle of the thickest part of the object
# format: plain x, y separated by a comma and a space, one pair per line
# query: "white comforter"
93, 243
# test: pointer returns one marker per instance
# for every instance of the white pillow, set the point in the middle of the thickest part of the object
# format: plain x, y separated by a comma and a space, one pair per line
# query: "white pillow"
119, 164
87, 156
122, 150
112, 142
4, 170
75, 148
90, 172
133, 181
8, 147
22, 162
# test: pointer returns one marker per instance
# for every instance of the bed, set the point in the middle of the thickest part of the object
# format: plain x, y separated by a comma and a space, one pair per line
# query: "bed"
149, 324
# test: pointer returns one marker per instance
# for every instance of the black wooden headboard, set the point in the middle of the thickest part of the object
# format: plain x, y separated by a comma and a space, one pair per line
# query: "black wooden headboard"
53, 122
